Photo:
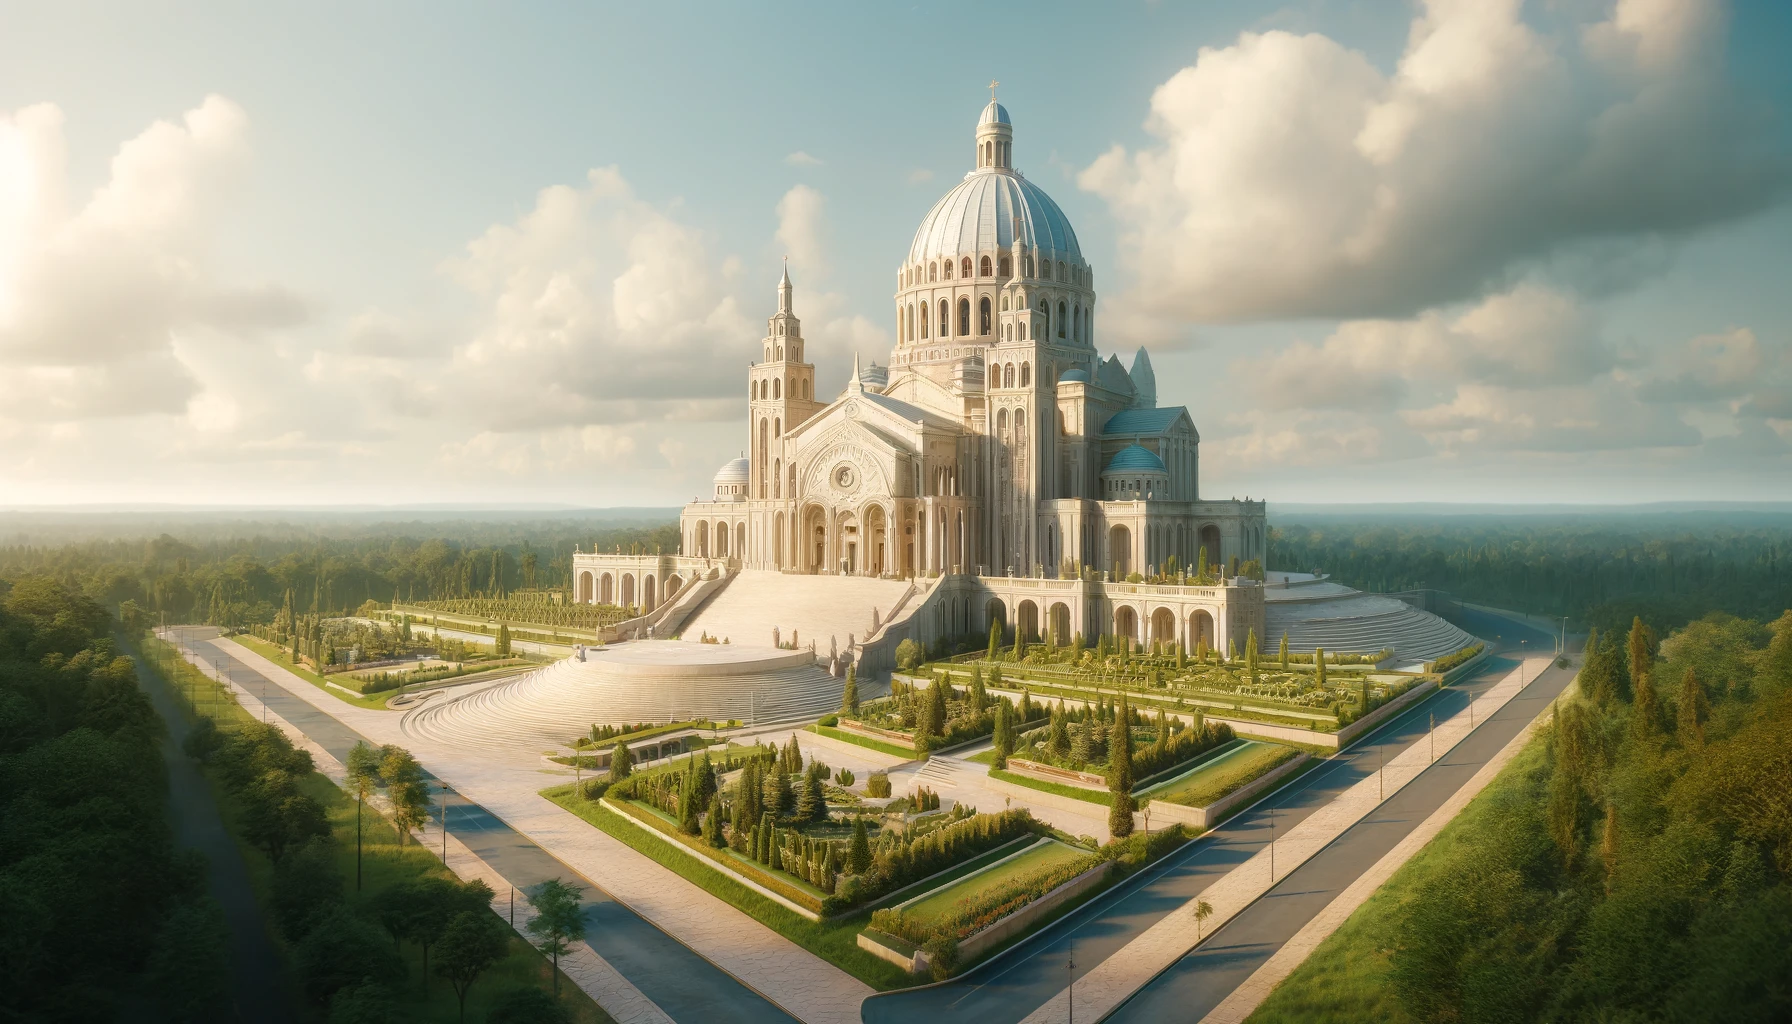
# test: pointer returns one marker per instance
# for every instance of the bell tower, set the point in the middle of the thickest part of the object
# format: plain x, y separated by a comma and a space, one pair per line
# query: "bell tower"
781, 392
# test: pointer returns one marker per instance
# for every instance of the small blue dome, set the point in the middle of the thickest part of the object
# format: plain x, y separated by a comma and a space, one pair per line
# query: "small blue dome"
995, 113
1076, 375
1136, 459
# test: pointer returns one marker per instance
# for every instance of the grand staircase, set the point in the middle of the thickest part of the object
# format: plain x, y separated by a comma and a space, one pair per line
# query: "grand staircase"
816, 608
1358, 622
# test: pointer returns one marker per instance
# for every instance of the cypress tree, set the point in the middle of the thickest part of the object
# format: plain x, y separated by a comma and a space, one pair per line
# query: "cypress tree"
936, 707
1250, 655
1181, 656
849, 700
1076, 647
621, 761
979, 696
1283, 653
1589, 683
1120, 774
1004, 735
1231, 649
995, 637
502, 647
1319, 667
1690, 718
1027, 714
1645, 714
1201, 565
1058, 741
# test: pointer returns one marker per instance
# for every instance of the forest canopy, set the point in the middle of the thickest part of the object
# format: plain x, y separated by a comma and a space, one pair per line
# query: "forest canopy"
1599, 570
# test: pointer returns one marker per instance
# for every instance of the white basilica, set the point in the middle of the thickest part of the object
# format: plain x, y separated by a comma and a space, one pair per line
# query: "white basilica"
997, 442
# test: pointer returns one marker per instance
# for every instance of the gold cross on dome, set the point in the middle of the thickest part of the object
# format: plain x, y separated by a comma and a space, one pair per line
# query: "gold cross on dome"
992, 88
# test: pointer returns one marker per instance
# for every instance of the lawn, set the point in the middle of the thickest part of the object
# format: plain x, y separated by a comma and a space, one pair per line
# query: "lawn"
871, 743
1038, 857
1347, 977
282, 657
1243, 765
1094, 796
384, 863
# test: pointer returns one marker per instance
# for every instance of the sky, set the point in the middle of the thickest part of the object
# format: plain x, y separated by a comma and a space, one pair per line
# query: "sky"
1460, 250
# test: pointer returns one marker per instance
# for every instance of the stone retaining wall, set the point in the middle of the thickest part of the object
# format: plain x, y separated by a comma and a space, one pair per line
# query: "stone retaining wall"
977, 945
1209, 816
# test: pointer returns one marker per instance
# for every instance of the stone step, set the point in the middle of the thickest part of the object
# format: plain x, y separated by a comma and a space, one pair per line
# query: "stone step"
816, 608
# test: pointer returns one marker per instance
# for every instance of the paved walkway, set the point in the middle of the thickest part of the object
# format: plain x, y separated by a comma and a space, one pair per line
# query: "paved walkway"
760, 972
1117, 978
257, 978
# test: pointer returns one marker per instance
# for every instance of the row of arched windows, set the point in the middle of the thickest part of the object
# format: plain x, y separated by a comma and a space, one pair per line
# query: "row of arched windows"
774, 389
1074, 322
942, 271
1005, 376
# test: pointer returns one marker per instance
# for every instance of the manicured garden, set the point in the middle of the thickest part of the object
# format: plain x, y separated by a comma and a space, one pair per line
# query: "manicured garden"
1315, 690
1222, 776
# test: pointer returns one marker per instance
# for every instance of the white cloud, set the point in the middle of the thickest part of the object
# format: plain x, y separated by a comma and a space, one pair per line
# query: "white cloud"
801, 215
94, 294
1527, 335
599, 307
919, 175
802, 159
1291, 177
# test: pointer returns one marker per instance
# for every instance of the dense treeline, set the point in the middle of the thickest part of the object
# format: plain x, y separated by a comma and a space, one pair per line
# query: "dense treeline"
99, 914
1668, 569
225, 577
1639, 869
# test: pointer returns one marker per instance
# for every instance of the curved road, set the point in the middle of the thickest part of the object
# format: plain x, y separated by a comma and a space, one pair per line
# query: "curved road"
1013, 985
685, 985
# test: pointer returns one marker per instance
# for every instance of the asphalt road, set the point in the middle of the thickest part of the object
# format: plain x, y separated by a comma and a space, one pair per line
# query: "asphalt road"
685, 985
1013, 985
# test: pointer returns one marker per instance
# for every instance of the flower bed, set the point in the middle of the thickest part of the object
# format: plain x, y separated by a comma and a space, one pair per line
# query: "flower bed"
970, 905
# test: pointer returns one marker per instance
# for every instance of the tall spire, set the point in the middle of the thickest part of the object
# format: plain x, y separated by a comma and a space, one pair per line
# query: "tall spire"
784, 289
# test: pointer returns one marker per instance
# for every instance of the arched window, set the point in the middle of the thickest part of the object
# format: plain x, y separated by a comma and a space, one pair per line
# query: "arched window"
777, 389
983, 315
1029, 266
985, 266
1004, 303
777, 478
901, 325
1061, 276
1060, 319
911, 321
946, 270
1023, 330
964, 316
965, 267
924, 321
945, 319
778, 427
1006, 266
1076, 324
1008, 375
1045, 323
1026, 373
1008, 332
933, 270
1002, 422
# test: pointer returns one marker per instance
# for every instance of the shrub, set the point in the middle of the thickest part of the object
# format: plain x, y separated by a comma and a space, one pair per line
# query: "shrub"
877, 784
527, 1006
306, 889
845, 777
942, 956
342, 950
1455, 658
829, 721
909, 655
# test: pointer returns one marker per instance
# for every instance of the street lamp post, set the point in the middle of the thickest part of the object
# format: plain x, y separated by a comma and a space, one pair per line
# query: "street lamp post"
1070, 990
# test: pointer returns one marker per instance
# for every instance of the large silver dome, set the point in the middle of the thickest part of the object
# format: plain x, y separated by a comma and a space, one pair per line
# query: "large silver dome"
980, 213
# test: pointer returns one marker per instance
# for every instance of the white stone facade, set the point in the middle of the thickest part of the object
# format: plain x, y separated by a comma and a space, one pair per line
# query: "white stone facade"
997, 441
